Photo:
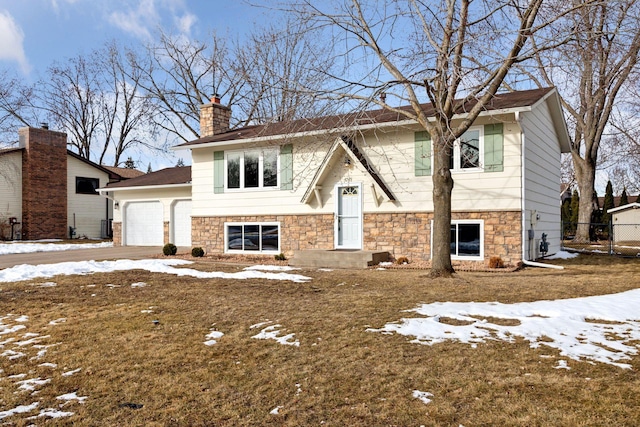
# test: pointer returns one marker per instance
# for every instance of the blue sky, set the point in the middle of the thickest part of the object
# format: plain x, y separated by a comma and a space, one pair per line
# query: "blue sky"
34, 33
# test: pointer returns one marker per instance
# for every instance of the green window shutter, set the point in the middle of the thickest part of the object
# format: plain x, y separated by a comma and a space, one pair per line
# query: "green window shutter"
286, 166
493, 148
218, 172
422, 154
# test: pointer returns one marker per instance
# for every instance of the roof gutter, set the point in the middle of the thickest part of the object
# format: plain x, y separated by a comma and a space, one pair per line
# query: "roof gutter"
142, 187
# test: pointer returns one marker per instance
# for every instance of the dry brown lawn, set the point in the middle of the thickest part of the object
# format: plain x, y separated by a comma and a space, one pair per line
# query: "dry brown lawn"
137, 372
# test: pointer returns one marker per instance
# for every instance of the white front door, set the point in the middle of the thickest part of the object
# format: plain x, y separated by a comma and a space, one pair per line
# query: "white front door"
348, 225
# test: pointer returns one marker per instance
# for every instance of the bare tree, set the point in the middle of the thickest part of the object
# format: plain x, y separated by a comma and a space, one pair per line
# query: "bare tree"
282, 72
71, 97
126, 114
15, 107
456, 53
591, 71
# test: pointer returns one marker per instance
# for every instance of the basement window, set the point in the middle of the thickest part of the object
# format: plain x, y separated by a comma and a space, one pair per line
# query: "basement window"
261, 237
467, 240
87, 185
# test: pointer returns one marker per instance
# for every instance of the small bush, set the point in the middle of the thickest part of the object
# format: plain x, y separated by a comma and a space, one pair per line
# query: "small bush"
496, 262
197, 252
280, 257
169, 249
402, 260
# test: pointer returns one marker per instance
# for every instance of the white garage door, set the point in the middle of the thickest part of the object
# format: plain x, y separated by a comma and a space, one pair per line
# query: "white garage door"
143, 223
181, 221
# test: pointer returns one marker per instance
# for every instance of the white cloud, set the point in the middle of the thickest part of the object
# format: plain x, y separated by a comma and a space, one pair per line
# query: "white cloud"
142, 20
185, 22
12, 36
138, 22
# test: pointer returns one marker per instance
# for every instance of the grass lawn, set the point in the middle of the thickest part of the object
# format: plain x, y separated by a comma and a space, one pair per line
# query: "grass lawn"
138, 353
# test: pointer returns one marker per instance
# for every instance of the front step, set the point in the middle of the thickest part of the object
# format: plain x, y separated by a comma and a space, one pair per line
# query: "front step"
318, 258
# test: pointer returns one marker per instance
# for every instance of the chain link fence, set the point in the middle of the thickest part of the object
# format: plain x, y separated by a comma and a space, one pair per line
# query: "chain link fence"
612, 239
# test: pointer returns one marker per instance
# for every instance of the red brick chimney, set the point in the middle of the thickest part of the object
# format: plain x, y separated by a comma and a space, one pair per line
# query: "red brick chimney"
44, 183
214, 117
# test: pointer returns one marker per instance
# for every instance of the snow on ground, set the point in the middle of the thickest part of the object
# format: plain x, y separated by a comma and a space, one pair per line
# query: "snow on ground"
562, 255
26, 386
30, 272
271, 333
599, 328
31, 247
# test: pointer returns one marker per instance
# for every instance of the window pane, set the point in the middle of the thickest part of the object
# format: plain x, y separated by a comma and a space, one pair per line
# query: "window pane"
469, 239
470, 149
251, 161
269, 237
233, 170
270, 168
87, 185
453, 240
251, 237
234, 237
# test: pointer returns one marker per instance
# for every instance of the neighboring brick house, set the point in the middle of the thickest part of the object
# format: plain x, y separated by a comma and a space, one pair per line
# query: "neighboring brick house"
50, 192
363, 182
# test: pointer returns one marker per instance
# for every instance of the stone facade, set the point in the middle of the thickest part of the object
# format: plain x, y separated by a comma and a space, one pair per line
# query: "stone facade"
400, 234
44, 184
117, 234
214, 118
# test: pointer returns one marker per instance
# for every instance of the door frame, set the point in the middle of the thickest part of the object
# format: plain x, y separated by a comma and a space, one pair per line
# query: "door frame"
336, 216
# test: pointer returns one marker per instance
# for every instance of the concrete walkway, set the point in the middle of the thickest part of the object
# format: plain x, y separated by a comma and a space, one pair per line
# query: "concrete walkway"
100, 254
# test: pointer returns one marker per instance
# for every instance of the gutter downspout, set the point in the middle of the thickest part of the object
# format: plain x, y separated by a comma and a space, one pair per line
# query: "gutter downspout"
525, 239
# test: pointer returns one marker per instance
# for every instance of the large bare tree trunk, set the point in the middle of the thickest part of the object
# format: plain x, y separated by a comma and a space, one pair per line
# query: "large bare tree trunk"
585, 170
441, 232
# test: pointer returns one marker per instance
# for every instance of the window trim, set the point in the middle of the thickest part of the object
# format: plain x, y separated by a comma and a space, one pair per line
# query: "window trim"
85, 178
246, 252
243, 153
479, 222
456, 153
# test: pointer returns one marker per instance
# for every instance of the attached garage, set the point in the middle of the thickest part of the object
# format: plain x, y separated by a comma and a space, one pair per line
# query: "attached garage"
143, 223
181, 223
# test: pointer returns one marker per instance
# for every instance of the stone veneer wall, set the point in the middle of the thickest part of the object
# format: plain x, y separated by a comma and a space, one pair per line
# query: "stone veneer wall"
166, 232
44, 184
400, 234
117, 233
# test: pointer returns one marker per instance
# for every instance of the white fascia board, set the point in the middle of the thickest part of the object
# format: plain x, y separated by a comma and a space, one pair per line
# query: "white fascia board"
142, 187
399, 123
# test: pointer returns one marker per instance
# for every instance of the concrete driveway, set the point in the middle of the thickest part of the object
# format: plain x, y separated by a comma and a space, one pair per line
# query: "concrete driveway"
99, 254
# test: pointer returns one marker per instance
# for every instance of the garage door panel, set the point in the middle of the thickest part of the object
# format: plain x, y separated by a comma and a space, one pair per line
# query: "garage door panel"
181, 221
144, 224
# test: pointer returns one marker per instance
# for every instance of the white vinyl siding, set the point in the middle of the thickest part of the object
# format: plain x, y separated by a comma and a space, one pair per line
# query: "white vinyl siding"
391, 153
85, 212
542, 181
11, 185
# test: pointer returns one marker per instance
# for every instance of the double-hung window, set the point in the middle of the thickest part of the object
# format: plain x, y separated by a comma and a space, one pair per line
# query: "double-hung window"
468, 151
251, 169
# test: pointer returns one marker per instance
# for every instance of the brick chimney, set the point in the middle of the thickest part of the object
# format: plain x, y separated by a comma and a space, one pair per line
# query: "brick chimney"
214, 117
44, 183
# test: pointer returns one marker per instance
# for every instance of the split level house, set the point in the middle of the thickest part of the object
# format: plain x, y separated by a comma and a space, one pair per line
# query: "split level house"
360, 181
49, 192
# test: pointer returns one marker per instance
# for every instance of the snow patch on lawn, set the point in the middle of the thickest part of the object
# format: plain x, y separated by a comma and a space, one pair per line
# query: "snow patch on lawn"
271, 333
32, 247
601, 329
166, 266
